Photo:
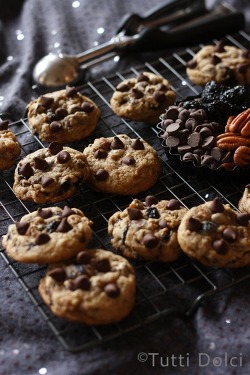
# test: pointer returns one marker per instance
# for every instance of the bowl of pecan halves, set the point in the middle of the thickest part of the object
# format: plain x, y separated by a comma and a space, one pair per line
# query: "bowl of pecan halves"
216, 135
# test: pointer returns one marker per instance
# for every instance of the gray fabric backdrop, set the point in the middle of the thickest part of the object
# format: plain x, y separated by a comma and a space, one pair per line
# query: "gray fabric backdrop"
28, 30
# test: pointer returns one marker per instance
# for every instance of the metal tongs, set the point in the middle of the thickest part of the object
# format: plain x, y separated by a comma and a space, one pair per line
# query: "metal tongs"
186, 22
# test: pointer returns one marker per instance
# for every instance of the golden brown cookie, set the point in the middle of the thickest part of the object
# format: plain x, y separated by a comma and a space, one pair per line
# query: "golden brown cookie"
122, 165
48, 235
142, 98
147, 230
216, 235
98, 287
244, 203
9, 147
63, 116
50, 174
219, 63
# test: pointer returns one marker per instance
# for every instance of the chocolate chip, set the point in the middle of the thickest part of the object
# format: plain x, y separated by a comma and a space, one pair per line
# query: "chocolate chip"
80, 282
26, 170
4, 125
173, 204
220, 246
116, 144
42, 238
172, 141
216, 206
61, 113
123, 87
46, 102
134, 213
58, 274
101, 154
101, 175
70, 91
150, 241
191, 123
22, 227
242, 219
188, 156
63, 157
183, 115
229, 234
55, 126
191, 64
194, 225
194, 140
142, 77
184, 149
137, 94
137, 144
199, 115
242, 68
219, 47
216, 153
46, 181
87, 107
207, 160
103, 265
83, 257
41, 164
163, 223
128, 160
43, 213
112, 290
172, 113
245, 54
64, 226
55, 147
150, 200
161, 87
67, 211
215, 60
173, 128
159, 97
152, 213
208, 142
248, 186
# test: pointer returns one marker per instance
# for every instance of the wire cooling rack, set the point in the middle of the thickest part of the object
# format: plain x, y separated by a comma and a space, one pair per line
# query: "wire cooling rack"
162, 289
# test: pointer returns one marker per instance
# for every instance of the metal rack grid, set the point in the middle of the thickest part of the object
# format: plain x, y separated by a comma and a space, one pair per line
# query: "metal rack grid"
162, 289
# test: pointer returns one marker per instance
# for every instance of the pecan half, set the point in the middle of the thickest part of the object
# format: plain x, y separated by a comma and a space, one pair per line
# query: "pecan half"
231, 141
241, 123
242, 156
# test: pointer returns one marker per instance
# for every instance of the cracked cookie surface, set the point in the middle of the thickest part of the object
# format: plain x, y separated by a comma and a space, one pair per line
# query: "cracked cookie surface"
50, 175
142, 98
63, 116
148, 230
216, 235
9, 147
122, 165
48, 235
97, 287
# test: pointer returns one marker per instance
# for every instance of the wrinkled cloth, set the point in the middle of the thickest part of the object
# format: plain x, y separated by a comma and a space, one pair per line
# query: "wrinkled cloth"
219, 332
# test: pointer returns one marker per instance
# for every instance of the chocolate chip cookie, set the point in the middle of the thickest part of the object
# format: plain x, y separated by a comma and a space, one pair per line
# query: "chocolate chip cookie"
216, 235
48, 235
142, 98
97, 287
63, 116
148, 230
51, 174
122, 165
9, 147
219, 63
244, 203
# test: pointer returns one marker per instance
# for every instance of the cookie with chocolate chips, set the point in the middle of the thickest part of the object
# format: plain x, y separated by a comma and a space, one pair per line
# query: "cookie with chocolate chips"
9, 147
244, 203
121, 165
63, 116
216, 235
98, 287
50, 174
148, 230
219, 63
142, 98
48, 235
